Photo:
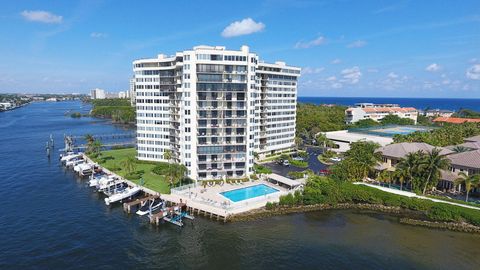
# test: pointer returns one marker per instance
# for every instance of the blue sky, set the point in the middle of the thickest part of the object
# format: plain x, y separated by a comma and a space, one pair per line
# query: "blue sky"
346, 48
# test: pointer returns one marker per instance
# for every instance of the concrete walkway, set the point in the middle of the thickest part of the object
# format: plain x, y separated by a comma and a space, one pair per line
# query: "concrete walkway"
413, 195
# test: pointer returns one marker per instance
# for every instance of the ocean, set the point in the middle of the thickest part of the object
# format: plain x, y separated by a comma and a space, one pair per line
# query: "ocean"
454, 104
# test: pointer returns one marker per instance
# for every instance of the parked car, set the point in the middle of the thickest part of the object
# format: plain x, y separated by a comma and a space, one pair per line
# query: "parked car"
335, 159
286, 163
298, 158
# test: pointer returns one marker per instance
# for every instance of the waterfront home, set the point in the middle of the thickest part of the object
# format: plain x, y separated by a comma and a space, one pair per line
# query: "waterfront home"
467, 162
377, 112
392, 154
438, 112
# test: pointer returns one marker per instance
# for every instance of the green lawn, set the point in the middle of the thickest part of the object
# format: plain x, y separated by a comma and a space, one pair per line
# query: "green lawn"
112, 160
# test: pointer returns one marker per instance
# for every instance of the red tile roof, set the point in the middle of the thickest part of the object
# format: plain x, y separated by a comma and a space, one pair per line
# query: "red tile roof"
455, 120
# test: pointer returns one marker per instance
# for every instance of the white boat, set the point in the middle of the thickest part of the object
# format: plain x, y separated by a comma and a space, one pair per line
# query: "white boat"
150, 207
85, 169
96, 181
78, 165
111, 186
74, 162
70, 157
128, 192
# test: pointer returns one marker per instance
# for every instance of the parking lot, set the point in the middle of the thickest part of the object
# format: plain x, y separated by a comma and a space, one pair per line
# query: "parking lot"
313, 164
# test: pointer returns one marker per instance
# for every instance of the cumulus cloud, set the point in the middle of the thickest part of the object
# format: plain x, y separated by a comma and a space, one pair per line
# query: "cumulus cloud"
433, 67
311, 70
309, 44
336, 61
244, 27
357, 44
98, 35
41, 16
331, 79
473, 73
351, 75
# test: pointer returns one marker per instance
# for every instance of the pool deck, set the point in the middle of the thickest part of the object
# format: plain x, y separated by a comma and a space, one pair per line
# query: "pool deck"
209, 199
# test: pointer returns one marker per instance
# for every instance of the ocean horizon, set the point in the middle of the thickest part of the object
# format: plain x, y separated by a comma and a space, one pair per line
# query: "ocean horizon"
454, 104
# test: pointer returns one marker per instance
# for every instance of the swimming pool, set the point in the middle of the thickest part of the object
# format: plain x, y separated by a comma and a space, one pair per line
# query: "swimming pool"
246, 193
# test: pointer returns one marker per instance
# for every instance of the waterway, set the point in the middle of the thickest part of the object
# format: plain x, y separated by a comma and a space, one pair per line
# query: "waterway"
49, 219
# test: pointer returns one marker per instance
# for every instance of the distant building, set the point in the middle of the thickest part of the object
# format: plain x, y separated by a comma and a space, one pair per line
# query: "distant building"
52, 99
455, 120
97, 93
132, 91
377, 112
5, 105
122, 94
342, 139
438, 112
381, 135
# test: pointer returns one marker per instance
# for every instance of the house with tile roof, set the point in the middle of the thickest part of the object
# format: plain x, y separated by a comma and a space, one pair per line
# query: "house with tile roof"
377, 112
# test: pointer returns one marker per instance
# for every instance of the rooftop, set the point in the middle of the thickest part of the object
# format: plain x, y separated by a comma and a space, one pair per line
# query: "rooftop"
400, 150
470, 159
456, 120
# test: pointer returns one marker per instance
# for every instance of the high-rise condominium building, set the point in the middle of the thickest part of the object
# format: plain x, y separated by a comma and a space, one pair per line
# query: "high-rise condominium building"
214, 109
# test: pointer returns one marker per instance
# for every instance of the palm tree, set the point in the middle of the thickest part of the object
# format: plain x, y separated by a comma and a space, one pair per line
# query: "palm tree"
431, 165
89, 139
385, 177
129, 165
407, 167
400, 175
469, 181
168, 155
460, 149
96, 148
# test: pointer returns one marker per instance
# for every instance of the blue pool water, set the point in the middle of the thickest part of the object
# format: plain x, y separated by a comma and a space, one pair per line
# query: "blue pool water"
246, 193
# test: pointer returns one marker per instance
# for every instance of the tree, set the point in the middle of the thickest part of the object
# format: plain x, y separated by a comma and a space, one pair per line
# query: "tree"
129, 164
255, 155
322, 139
408, 167
430, 167
175, 173
96, 148
363, 154
385, 177
168, 155
469, 181
400, 175
460, 149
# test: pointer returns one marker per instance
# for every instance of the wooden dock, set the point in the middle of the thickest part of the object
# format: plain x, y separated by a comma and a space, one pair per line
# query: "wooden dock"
196, 208
127, 207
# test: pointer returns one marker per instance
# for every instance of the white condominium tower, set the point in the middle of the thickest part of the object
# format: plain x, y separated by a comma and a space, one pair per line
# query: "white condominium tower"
213, 109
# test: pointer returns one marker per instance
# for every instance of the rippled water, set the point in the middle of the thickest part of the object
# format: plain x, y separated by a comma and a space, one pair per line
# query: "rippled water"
50, 220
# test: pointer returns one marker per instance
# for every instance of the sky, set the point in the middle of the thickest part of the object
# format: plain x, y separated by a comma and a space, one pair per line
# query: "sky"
346, 48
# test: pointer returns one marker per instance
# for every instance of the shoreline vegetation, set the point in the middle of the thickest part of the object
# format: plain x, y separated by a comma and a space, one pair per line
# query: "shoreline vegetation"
119, 110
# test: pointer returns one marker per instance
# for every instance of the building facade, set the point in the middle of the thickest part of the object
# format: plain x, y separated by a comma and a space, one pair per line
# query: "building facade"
377, 112
213, 109
97, 93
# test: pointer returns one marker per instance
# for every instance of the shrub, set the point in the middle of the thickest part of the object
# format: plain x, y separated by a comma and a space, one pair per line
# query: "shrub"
160, 169
262, 169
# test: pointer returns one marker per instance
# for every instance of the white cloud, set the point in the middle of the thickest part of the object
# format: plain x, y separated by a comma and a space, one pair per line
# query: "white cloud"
331, 79
309, 44
392, 75
336, 61
351, 75
337, 85
244, 27
41, 16
433, 67
311, 70
473, 73
357, 44
98, 35
473, 60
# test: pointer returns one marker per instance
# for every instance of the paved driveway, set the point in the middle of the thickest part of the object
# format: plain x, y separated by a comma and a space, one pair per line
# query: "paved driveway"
313, 164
